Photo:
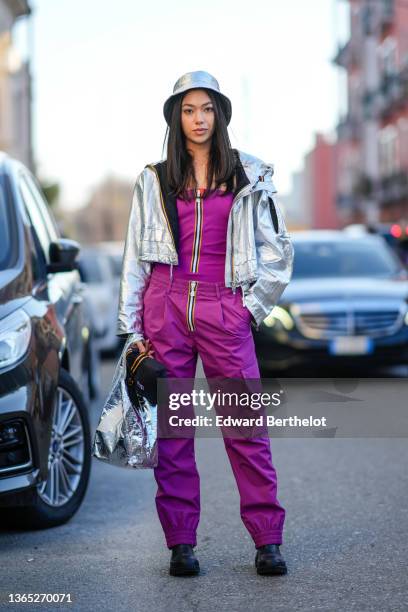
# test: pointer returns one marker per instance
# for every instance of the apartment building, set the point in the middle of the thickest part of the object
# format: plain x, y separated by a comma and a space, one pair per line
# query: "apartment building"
15, 87
372, 149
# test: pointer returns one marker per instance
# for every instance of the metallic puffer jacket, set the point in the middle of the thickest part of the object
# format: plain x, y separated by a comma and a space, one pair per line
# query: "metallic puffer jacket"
259, 250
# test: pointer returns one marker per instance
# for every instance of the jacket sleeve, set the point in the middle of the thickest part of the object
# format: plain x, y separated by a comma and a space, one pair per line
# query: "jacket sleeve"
135, 273
275, 253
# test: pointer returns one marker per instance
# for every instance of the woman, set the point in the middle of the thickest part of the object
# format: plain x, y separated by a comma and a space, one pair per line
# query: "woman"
203, 223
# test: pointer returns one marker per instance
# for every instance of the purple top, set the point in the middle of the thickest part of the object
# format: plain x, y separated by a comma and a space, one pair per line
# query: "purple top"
203, 237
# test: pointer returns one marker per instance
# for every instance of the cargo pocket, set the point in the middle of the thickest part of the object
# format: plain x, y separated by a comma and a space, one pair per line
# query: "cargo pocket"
236, 318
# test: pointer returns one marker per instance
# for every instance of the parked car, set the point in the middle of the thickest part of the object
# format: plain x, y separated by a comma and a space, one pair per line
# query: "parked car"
347, 303
114, 250
45, 446
101, 290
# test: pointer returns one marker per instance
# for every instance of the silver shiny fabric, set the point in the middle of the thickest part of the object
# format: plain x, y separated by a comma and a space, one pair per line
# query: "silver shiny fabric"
126, 436
258, 259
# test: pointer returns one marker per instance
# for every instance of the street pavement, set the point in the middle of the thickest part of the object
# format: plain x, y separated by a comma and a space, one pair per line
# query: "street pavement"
345, 538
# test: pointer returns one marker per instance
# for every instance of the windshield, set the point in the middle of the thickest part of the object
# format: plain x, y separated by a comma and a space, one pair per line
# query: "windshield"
350, 258
8, 233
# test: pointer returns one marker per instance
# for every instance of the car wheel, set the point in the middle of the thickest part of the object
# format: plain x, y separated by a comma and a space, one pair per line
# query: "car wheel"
69, 462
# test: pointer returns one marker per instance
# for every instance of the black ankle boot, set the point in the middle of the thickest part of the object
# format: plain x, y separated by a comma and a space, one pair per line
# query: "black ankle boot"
269, 560
183, 561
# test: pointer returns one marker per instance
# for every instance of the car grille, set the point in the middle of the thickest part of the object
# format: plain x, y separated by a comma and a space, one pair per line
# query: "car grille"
351, 323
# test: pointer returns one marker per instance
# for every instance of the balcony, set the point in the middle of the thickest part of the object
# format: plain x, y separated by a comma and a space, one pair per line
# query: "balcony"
347, 55
349, 128
346, 202
392, 188
393, 91
370, 20
372, 104
387, 13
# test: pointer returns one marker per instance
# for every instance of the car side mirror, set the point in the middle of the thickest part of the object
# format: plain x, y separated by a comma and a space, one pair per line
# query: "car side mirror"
63, 255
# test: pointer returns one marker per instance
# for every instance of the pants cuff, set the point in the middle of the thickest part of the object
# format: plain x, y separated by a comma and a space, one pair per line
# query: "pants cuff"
267, 537
180, 537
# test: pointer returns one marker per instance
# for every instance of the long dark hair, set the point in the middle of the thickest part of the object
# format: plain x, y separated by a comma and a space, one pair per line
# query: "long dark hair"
222, 159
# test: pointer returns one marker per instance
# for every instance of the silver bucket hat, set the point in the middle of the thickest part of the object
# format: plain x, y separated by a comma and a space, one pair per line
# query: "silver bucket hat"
193, 80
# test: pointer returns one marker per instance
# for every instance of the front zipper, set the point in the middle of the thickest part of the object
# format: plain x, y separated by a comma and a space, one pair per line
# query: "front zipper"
191, 301
163, 207
198, 231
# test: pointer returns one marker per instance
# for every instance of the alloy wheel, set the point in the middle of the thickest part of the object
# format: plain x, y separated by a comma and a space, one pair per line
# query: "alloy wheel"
66, 452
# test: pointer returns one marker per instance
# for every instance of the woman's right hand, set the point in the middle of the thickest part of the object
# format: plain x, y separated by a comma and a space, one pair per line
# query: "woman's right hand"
145, 345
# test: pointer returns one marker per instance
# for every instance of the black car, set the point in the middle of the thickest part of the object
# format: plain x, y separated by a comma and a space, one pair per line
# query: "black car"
45, 447
346, 304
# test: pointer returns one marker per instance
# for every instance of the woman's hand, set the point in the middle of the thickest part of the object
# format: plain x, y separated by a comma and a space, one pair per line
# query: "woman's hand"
145, 345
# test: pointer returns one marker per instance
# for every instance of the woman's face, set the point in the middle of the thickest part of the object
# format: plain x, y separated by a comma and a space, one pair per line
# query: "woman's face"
197, 113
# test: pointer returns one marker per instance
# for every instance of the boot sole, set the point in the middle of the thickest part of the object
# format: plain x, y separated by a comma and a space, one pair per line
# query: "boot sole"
278, 570
181, 570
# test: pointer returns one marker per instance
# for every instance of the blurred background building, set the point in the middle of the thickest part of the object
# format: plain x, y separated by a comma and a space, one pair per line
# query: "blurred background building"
105, 215
359, 174
355, 173
312, 201
15, 87
372, 155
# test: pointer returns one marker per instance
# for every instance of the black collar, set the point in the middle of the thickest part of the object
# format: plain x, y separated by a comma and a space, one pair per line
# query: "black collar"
170, 201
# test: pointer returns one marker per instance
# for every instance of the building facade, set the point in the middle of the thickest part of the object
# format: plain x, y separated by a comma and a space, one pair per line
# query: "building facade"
106, 215
372, 155
15, 88
311, 203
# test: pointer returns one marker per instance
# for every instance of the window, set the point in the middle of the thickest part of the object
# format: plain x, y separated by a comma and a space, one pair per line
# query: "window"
403, 139
388, 150
8, 228
389, 56
43, 206
352, 258
39, 228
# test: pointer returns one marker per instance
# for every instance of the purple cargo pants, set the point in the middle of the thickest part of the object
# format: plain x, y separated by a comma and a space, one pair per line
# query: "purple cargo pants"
184, 319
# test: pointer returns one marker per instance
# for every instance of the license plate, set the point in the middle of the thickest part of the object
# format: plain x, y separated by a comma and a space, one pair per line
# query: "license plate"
351, 345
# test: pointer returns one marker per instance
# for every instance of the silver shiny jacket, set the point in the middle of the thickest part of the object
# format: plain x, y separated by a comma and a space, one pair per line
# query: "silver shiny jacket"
259, 250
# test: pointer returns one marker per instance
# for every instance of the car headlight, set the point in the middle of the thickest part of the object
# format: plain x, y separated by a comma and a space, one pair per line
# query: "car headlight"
15, 334
279, 315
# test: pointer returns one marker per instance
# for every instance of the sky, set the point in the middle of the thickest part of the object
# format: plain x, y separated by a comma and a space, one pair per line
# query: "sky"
102, 71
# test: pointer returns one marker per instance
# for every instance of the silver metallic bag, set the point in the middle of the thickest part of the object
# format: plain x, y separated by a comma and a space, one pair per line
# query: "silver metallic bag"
126, 435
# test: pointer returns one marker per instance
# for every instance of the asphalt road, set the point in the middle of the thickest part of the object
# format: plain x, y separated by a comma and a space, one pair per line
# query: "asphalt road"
345, 538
